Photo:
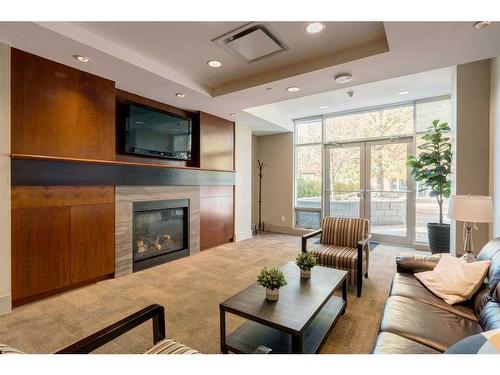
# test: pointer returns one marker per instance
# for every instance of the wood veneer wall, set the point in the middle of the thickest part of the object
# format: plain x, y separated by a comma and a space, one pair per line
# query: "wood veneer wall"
63, 236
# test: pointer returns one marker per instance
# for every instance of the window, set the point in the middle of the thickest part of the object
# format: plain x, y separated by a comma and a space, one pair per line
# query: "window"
378, 123
308, 173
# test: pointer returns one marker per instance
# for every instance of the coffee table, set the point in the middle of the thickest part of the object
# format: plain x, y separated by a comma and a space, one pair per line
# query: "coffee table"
299, 322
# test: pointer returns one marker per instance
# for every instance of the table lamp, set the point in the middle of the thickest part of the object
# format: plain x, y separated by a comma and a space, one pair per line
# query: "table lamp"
470, 209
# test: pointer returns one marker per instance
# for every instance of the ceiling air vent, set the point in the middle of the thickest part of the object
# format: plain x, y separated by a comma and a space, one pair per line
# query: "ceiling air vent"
251, 42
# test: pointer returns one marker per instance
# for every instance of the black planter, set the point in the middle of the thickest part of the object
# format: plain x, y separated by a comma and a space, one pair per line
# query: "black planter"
439, 237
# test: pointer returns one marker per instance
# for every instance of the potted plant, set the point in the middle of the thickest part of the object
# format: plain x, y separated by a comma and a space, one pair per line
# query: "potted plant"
272, 279
432, 168
305, 261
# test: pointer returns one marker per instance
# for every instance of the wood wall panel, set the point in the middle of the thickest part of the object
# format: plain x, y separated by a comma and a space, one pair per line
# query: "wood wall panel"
216, 143
50, 196
92, 241
40, 250
57, 110
216, 216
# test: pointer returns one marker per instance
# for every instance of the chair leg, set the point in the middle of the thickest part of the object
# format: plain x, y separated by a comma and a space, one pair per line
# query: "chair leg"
359, 266
359, 283
366, 275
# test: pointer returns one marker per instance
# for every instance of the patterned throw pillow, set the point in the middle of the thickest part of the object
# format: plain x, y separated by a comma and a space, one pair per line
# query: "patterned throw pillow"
483, 343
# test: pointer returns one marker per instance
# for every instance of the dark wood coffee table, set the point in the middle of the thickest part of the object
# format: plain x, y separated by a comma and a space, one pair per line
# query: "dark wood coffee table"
299, 322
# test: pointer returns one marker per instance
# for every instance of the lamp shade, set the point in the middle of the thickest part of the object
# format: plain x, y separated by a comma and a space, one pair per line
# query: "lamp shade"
471, 208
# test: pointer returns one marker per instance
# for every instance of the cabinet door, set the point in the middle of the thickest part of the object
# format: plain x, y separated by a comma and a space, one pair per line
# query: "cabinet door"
40, 250
216, 216
92, 241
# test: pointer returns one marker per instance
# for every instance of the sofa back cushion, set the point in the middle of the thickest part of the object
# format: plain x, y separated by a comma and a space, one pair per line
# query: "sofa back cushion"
488, 307
344, 231
491, 252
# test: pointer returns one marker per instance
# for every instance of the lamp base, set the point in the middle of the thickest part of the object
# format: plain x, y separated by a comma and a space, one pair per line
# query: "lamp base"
468, 257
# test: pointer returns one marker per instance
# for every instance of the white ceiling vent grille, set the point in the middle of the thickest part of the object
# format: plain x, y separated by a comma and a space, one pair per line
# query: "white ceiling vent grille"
251, 42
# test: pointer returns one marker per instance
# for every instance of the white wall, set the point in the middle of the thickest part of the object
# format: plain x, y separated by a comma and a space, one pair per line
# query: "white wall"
243, 188
495, 142
5, 297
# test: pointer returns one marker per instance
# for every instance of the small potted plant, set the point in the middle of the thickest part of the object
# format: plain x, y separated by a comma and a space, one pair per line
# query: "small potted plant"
272, 279
305, 261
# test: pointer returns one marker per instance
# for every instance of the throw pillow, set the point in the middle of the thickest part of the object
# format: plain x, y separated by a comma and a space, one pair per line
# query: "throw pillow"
453, 279
483, 343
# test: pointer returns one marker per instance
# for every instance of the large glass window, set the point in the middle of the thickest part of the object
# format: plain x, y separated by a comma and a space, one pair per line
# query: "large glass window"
312, 134
386, 122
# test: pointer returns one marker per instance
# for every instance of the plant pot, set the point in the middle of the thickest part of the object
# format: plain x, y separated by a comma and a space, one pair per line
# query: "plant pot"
439, 237
305, 274
272, 294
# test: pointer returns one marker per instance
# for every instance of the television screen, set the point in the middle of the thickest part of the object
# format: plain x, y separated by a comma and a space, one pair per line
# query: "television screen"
156, 133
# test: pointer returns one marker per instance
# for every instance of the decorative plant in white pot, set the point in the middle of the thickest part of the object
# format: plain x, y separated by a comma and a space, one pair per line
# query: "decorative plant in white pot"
272, 279
305, 261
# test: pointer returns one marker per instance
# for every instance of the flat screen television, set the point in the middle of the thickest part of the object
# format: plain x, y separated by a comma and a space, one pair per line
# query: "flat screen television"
152, 132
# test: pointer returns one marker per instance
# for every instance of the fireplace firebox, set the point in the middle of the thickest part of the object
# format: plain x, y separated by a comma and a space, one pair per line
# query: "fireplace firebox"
160, 232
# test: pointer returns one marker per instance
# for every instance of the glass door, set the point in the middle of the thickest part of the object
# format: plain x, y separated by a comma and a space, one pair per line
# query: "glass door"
344, 182
370, 179
389, 200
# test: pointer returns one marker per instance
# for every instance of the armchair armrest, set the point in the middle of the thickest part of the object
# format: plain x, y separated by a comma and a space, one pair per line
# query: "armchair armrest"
305, 237
410, 263
105, 335
365, 241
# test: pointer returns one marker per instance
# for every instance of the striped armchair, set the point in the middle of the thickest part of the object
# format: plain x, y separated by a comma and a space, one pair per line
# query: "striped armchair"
343, 245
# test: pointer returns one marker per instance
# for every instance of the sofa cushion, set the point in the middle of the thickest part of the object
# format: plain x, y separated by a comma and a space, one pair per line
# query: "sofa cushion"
389, 343
491, 252
407, 285
169, 346
482, 343
425, 323
489, 317
454, 280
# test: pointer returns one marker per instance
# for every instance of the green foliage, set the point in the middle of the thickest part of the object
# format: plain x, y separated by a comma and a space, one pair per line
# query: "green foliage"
308, 188
305, 261
271, 278
432, 167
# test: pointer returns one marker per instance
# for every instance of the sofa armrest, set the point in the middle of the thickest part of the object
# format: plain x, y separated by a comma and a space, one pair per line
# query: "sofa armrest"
411, 263
261, 349
305, 237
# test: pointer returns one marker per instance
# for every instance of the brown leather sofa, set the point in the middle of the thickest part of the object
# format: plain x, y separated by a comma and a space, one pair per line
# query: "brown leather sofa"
416, 321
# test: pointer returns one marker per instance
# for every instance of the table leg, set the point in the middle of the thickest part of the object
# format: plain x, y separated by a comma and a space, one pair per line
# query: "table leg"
223, 347
297, 344
344, 294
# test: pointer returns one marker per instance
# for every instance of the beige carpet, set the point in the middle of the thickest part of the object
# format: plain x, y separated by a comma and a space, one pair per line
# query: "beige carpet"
191, 290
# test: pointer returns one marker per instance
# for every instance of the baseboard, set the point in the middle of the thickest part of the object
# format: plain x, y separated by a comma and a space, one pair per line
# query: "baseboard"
243, 235
5, 304
288, 230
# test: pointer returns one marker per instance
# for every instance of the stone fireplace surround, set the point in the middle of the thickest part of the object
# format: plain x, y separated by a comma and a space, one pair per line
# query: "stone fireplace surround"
125, 196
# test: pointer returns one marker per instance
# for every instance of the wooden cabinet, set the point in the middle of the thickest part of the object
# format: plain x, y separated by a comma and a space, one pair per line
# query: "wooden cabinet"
216, 216
60, 111
61, 237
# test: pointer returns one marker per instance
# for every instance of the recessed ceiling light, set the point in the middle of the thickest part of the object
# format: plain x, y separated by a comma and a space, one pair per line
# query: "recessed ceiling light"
315, 27
232, 114
293, 89
343, 77
480, 24
214, 63
180, 94
350, 94
81, 58
323, 107
405, 92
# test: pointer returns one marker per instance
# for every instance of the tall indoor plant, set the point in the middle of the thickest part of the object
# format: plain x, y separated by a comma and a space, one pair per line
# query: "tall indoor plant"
432, 168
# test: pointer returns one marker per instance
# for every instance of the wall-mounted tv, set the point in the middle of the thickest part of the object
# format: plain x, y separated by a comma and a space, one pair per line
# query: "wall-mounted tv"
152, 132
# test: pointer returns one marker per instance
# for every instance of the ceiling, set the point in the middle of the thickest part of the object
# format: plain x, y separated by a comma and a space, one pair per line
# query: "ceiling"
151, 69
419, 86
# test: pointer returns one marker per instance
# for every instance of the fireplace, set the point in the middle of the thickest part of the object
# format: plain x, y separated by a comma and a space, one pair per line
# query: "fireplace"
160, 232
